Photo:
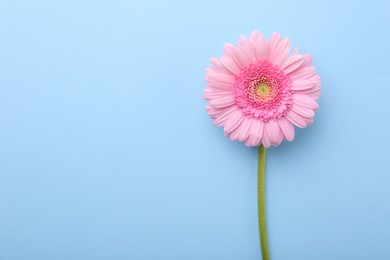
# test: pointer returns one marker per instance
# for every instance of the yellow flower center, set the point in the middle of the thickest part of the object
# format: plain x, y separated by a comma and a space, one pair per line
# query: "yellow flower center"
262, 89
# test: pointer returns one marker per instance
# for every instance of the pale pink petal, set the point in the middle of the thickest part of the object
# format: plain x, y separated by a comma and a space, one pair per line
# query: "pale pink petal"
227, 49
207, 91
210, 93
256, 132
292, 63
246, 46
273, 45
296, 119
218, 77
285, 50
303, 111
222, 86
303, 73
212, 69
213, 112
278, 49
241, 58
218, 66
231, 65
219, 80
234, 120
274, 132
221, 118
234, 135
228, 53
307, 59
311, 92
309, 121
265, 139
222, 101
216, 112
314, 95
305, 84
243, 131
305, 101
260, 45
287, 129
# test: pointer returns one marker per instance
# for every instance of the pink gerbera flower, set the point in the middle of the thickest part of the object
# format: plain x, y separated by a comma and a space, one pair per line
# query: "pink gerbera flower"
257, 92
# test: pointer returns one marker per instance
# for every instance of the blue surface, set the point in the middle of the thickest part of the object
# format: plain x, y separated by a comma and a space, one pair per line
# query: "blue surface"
107, 152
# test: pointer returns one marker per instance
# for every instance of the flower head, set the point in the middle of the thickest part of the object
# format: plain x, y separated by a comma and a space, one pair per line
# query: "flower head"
258, 91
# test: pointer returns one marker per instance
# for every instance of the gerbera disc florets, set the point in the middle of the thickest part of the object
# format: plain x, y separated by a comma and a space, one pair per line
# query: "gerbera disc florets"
263, 91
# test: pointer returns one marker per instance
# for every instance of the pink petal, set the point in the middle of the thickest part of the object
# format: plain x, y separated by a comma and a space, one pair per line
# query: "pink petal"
233, 121
296, 119
234, 134
292, 63
295, 51
222, 101
303, 73
216, 112
213, 112
211, 93
283, 52
246, 46
305, 101
244, 128
303, 111
314, 95
308, 59
241, 58
287, 129
274, 132
227, 49
255, 133
309, 121
218, 77
305, 84
218, 66
260, 45
224, 114
231, 65
221, 86
278, 49
265, 139
311, 92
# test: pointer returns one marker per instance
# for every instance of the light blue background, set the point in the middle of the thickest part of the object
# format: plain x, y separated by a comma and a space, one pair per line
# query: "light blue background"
107, 152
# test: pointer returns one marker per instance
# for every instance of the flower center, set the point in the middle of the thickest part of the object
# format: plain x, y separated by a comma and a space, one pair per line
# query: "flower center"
262, 89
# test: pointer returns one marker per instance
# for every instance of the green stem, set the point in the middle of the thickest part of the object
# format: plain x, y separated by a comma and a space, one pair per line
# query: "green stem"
261, 203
